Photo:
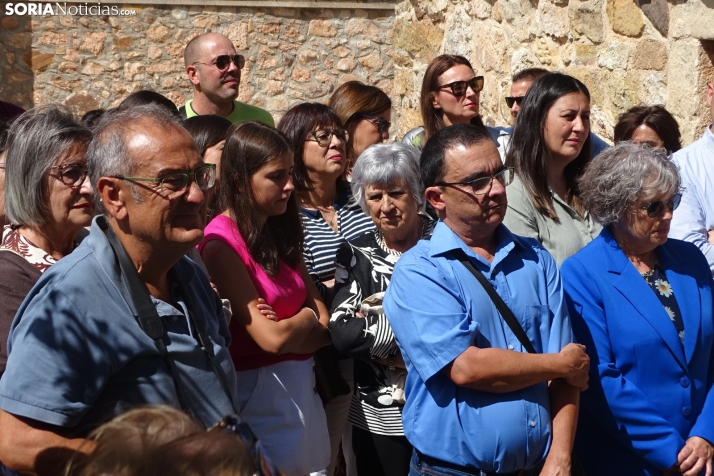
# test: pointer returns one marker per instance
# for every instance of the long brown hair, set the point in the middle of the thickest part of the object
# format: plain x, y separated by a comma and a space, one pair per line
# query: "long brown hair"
434, 118
249, 146
528, 153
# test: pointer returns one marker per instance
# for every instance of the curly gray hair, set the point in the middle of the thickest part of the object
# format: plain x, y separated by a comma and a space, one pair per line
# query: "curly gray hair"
387, 164
624, 175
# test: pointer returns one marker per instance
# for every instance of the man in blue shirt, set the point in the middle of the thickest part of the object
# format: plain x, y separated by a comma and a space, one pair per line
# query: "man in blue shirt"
477, 402
693, 220
78, 355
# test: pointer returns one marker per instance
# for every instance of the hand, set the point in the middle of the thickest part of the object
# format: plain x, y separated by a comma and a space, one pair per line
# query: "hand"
577, 365
695, 456
266, 310
710, 236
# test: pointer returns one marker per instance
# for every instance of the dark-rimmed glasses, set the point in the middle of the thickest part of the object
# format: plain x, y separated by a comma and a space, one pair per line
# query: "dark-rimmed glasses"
72, 175
511, 100
262, 466
483, 185
323, 137
459, 88
222, 62
175, 185
656, 208
380, 123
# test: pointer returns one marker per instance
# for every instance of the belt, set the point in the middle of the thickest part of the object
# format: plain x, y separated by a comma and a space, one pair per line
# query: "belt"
464, 469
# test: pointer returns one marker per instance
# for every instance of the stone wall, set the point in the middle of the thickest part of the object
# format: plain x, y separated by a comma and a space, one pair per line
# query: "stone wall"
627, 54
292, 55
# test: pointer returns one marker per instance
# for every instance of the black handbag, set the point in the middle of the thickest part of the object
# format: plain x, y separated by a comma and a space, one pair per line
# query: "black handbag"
515, 326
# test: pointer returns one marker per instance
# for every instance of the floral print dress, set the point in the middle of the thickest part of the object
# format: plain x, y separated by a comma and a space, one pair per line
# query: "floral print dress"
664, 292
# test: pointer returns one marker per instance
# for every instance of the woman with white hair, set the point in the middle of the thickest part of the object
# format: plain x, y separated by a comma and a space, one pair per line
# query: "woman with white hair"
48, 200
387, 185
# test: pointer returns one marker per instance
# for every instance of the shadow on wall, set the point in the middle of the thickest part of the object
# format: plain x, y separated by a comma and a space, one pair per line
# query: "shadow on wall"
17, 61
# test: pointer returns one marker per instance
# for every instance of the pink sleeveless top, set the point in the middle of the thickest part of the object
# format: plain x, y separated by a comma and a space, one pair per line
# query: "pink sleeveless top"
285, 293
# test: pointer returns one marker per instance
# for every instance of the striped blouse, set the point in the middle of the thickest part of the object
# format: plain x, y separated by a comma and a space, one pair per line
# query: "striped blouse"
321, 242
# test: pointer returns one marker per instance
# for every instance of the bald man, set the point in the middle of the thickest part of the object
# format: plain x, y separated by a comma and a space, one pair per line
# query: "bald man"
214, 69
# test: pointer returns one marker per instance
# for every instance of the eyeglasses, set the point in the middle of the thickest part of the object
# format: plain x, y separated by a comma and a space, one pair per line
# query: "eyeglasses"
483, 185
176, 184
323, 137
262, 466
459, 88
380, 123
72, 175
655, 209
510, 101
222, 62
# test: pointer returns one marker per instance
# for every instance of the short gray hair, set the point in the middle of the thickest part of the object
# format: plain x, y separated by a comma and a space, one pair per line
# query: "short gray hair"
386, 164
622, 176
36, 140
108, 154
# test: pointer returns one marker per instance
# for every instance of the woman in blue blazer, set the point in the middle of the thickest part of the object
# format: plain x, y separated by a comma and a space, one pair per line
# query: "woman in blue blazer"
642, 306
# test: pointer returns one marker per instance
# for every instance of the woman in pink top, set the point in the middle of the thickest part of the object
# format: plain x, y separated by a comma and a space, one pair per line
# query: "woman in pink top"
253, 252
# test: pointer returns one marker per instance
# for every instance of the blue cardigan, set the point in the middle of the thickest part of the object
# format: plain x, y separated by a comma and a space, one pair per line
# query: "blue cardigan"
648, 393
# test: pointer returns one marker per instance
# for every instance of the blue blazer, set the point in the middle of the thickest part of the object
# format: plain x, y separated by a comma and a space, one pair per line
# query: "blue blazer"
648, 393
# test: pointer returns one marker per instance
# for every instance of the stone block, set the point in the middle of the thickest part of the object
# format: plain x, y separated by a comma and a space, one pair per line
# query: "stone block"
361, 26
265, 51
205, 22
650, 54
163, 67
238, 34
132, 71
324, 78
523, 59
123, 42
654, 88
266, 63
321, 28
308, 57
175, 49
92, 68
8, 22
158, 34
372, 62
292, 32
346, 64
166, 83
66, 20
19, 40
623, 90
625, 17
422, 39
553, 20
481, 9
93, 42
341, 51
657, 12
458, 33
40, 61
10, 57
51, 38
300, 75
14, 77
685, 88
586, 19
615, 56
154, 53
403, 82
585, 54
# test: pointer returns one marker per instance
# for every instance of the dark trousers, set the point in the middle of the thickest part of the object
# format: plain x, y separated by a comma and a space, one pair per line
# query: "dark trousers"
380, 455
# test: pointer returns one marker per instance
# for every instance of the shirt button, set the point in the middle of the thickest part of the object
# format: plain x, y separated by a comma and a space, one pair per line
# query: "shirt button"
532, 423
686, 410
684, 381
510, 346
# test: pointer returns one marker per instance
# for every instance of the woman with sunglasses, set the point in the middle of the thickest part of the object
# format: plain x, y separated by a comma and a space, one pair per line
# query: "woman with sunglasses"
642, 306
253, 253
365, 112
48, 201
330, 217
549, 148
450, 94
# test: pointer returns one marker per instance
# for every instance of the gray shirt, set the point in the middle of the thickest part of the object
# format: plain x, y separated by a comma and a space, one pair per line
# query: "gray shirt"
562, 239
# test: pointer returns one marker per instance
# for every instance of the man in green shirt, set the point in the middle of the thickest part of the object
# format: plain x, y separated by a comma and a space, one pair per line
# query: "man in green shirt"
214, 68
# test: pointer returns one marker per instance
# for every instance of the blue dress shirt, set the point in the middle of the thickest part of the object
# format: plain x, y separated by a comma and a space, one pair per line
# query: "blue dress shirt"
695, 215
437, 310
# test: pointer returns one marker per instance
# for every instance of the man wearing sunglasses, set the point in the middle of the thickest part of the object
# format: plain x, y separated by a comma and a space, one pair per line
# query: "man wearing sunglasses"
214, 69
478, 402
520, 84
126, 319
694, 219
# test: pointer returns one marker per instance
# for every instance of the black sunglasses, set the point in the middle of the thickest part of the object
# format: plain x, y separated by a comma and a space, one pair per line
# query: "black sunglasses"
483, 185
222, 62
459, 88
380, 123
655, 209
510, 101
72, 175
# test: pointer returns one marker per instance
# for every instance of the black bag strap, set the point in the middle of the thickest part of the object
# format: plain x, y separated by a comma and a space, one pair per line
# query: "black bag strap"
150, 322
501, 306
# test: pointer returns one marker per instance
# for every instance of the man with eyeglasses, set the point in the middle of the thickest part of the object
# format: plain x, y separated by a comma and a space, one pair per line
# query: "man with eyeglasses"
126, 319
214, 69
694, 219
477, 402
520, 84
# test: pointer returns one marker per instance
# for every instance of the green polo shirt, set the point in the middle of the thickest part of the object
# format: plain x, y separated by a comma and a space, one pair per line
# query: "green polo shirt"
241, 112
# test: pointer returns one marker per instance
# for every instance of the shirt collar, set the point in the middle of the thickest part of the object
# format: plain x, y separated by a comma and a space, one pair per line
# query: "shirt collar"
444, 240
